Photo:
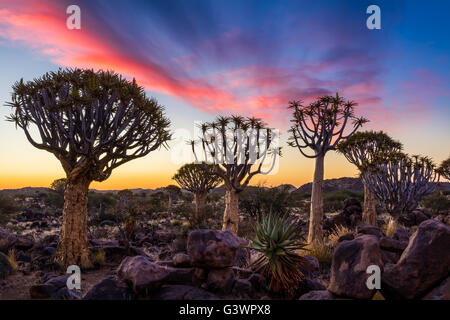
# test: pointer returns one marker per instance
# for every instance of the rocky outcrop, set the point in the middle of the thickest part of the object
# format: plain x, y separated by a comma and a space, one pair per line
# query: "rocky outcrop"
349, 265
424, 263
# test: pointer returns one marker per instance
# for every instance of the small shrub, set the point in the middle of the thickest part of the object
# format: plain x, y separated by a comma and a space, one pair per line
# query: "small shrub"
12, 260
278, 239
390, 226
99, 258
436, 203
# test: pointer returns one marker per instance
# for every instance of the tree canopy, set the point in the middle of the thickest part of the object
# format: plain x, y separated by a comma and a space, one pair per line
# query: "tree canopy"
91, 121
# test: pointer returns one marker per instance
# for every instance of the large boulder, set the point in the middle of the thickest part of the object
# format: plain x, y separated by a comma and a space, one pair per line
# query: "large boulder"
349, 265
144, 275
49, 288
423, 264
213, 248
5, 266
110, 289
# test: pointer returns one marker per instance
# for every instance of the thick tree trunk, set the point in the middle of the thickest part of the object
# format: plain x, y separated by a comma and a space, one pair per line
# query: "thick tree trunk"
369, 211
231, 215
316, 213
200, 202
73, 248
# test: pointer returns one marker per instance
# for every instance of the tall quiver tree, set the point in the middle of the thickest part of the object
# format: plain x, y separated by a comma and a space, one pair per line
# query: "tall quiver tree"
92, 122
233, 146
319, 127
399, 181
196, 179
360, 149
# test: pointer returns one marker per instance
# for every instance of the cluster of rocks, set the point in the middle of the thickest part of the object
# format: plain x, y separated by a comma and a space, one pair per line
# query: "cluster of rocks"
417, 268
207, 271
350, 216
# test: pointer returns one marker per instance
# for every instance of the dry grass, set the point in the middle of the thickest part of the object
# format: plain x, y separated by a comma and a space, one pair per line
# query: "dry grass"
99, 258
12, 260
319, 249
336, 233
390, 226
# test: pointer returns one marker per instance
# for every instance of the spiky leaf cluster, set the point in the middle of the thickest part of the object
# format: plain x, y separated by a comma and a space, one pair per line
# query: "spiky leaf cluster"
321, 125
233, 145
278, 238
91, 121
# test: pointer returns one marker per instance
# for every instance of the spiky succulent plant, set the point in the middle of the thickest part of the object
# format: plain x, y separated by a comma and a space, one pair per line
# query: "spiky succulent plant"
278, 238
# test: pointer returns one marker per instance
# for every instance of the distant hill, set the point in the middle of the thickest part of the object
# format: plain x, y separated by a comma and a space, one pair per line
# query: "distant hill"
329, 185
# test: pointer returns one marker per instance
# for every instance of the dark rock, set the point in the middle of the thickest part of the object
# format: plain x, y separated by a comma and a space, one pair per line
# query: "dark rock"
441, 292
212, 248
180, 275
220, 280
242, 288
258, 282
23, 243
401, 234
182, 292
389, 257
423, 264
363, 229
349, 265
311, 265
5, 266
7, 239
181, 260
199, 276
347, 236
242, 272
51, 285
142, 274
318, 295
110, 289
392, 245
49, 251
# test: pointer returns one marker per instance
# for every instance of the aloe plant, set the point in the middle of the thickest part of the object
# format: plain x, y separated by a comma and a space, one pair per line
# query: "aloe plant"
278, 238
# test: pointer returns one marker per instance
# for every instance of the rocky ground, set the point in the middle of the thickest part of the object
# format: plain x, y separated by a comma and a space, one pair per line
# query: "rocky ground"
164, 261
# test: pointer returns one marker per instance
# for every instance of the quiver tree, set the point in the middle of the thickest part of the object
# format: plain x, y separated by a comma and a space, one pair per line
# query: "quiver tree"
92, 122
360, 149
59, 185
399, 181
233, 146
318, 128
173, 192
196, 179
444, 169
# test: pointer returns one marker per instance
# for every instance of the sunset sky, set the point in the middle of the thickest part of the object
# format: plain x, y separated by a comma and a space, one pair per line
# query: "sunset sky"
201, 59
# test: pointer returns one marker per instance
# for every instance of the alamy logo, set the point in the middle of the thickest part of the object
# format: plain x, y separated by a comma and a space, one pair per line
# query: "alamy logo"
374, 281
74, 20
74, 280
374, 21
